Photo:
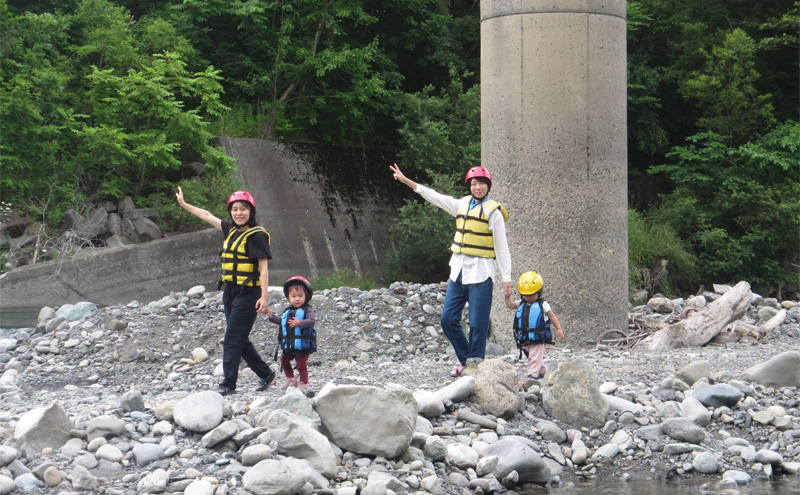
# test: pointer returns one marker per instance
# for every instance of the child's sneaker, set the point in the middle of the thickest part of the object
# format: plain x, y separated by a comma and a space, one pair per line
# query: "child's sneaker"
290, 382
303, 387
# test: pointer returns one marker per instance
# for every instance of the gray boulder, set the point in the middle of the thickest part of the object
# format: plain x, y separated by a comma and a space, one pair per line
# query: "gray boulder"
717, 395
43, 427
368, 420
200, 412
782, 370
571, 394
272, 477
496, 388
693, 372
684, 430
296, 438
147, 230
514, 455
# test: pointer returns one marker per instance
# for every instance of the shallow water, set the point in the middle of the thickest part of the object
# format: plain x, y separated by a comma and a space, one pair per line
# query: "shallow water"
780, 485
12, 318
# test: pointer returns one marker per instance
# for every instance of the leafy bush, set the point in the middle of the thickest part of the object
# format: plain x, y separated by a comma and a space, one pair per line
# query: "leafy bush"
343, 278
657, 258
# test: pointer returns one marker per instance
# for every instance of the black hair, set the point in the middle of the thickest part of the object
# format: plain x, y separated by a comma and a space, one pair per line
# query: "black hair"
305, 291
251, 221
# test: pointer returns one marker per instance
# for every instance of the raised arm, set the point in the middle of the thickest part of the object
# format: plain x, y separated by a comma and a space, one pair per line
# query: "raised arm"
200, 213
398, 175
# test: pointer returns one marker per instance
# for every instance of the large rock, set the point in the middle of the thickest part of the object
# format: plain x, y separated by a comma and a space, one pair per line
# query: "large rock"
782, 370
296, 438
497, 388
105, 426
458, 390
684, 430
271, 477
200, 412
368, 420
571, 394
43, 427
693, 372
515, 455
717, 395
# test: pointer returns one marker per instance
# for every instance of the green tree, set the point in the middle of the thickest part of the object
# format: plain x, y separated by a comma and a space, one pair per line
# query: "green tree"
441, 134
739, 206
90, 112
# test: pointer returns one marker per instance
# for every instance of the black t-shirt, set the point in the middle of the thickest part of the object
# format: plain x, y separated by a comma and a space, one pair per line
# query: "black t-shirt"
257, 245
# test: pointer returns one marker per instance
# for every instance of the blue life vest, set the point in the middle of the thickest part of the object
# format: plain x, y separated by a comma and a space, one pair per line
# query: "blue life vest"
297, 339
532, 325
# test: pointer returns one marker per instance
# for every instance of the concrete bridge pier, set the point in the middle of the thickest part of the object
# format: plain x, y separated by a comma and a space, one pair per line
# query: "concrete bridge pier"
553, 133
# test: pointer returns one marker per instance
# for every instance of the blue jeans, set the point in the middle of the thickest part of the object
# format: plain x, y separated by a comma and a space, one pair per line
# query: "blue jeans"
479, 297
240, 313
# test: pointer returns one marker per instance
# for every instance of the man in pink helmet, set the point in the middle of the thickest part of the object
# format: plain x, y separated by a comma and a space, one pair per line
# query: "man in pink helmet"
479, 239
245, 252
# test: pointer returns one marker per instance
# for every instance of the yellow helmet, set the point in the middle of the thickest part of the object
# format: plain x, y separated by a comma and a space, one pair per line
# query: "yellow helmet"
529, 283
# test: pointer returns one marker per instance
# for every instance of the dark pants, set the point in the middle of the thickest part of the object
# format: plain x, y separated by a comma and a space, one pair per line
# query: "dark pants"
240, 314
479, 297
302, 365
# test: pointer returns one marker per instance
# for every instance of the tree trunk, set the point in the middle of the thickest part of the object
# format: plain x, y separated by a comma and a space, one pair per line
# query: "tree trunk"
702, 326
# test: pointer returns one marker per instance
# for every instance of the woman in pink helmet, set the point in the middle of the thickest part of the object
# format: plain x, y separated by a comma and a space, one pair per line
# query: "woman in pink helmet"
245, 251
479, 239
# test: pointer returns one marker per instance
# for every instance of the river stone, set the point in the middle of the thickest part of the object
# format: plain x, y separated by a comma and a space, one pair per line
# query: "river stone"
271, 477
199, 487
7, 454
693, 372
693, 409
571, 395
296, 438
43, 427
429, 404
765, 456
132, 401
145, 453
51, 476
155, 482
740, 477
462, 456
496, 388
706, 463
105, 426
782, 370
684, 430
718, 395
368, 420
458, 390
82, 479
199, 412
254, 454
661, 305
514, 455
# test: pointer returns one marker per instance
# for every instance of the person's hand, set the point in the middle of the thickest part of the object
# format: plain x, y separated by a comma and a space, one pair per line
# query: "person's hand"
262, 306
294, 322
560, 334
179, 195
508, 289
396, 173
268, 313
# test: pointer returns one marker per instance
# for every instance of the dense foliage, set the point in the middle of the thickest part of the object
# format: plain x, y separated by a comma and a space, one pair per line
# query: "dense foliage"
107, 98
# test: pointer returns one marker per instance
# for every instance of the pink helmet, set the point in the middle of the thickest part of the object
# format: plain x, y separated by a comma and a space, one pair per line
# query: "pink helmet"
478, 173
242, 196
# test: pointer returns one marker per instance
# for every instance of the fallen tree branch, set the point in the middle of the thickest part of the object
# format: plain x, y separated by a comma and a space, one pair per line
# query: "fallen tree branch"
703, 325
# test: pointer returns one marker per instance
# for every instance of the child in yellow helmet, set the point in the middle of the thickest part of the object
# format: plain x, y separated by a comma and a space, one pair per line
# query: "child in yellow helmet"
532, 322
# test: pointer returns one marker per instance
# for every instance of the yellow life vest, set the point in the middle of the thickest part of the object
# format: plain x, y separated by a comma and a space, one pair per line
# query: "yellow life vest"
473, 236
236, 266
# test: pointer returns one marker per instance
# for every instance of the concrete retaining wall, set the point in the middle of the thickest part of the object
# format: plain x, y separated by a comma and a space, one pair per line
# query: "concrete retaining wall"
325, 209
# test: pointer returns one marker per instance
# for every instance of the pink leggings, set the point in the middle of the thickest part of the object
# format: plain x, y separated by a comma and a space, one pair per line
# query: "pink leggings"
536, 359
302, 365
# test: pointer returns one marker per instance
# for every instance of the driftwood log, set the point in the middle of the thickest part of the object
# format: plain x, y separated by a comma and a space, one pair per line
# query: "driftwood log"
702, 326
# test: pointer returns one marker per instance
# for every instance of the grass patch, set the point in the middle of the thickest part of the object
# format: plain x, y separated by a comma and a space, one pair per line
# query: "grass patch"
344, 278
